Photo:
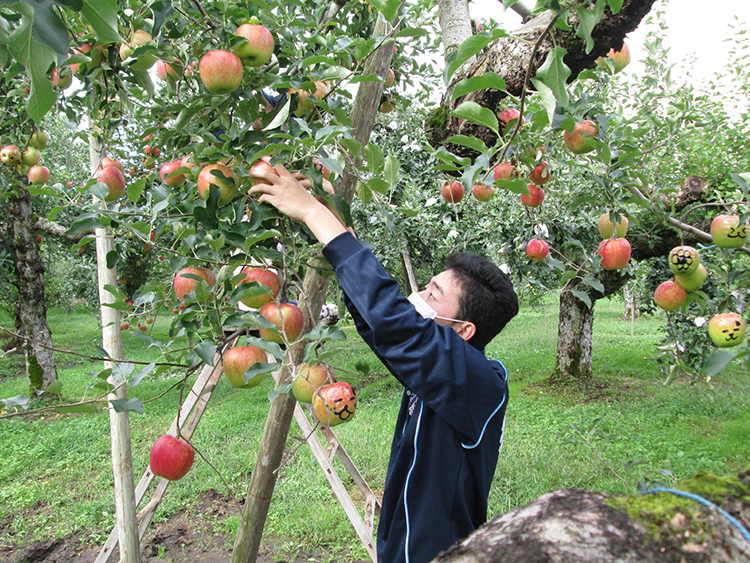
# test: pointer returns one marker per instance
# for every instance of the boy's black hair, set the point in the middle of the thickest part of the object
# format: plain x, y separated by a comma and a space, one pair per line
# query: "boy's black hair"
487, 296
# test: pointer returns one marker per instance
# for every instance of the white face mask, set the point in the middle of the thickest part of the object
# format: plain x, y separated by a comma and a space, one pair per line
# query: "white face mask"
424, 309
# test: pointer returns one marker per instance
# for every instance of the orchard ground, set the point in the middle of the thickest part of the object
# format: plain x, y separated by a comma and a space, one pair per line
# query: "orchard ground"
56, 495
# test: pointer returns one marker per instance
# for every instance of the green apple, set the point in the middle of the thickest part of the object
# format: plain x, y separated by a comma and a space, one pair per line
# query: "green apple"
727, 329
694, 281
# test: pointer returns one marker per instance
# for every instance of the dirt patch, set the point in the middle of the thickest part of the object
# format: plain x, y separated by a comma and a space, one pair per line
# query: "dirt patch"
590, 389
191, 536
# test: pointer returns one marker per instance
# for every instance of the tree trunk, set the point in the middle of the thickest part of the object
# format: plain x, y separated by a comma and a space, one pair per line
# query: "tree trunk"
574, 526
32, 308
574, 337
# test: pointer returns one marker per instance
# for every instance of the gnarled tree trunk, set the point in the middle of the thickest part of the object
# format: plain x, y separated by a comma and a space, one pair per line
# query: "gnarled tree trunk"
32, 307
574, 526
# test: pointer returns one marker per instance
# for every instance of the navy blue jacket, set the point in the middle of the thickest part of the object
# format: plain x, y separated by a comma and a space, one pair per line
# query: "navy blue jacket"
450, 426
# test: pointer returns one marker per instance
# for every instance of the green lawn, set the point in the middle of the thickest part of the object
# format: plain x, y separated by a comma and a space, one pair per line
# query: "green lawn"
55, 470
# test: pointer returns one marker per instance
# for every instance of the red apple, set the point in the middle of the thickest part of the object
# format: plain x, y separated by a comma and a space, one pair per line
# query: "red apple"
309, 379
607, 227
305, 104
238, 360
727, 329
694, 281
115, 182
390, 79
61, 79
293, 321
727, 232
504, 170
171, 458
228, 186
183, 286
172, 181
535, 197
220, 71
258, 48
540, 175
578, 140
334, 404
265, 278
124, 326
482, 192
96, 57
142, 328
149, 320
107, 162
615, 253
39, 174
684, 260
452, 192
321, 168
620, 58
509, 117
537, 249
163, 69
10, 155
263, 165
669, 296
387, 106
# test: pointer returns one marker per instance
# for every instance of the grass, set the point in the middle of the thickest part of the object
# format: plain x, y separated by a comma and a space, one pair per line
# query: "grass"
56, 477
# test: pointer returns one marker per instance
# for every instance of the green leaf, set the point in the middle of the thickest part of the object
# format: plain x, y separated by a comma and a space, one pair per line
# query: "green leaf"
593, 282
548, 98
716, 362
102, 16
260, 368
86, 222
270, 347
587, 21
412, 32
127, 405
140, 374
554, 74
375, 158
583, 296
325, 333
392, 175
471, 142
615, 6
517, 186
135, 189
206, 351
483, 82
378, 185
475, 113
54, 388
468, 49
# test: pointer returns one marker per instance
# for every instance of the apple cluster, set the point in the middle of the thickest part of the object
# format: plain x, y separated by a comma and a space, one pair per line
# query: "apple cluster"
27, 160
615, 248
332, 402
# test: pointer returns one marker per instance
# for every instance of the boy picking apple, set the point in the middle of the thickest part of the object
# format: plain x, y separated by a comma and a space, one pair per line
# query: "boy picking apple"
450, 426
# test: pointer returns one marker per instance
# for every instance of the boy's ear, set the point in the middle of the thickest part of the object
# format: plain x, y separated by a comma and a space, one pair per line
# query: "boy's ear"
467, 330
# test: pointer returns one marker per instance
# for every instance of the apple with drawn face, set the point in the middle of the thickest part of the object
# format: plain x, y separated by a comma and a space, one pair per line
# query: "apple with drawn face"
727, 232
10, 155
334, 404
171, 458
684, 260
727, 329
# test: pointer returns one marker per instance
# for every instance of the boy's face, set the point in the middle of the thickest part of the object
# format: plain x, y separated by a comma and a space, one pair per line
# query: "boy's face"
442, 294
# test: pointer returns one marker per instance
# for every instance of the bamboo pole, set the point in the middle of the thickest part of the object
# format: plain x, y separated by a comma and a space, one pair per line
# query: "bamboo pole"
122, 460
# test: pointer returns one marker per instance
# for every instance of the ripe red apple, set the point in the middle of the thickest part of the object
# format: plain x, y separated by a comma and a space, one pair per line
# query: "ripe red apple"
669, 296
188, 162
10, 155
171, 458
321, 168
293, 321
115, 182
615, 253
175, 311
142, 328
39, 139
482, 192
504, 170
258, 48
309, 379
149, 320
334, 404
390, 79
509, 117
727, 232
578, 140
228, 186
694, 281
107, 162
164, 68
124, 326
38, 239
264, 277
607, 227
620, 58
220, 71
183, 286
96, 57
684, 260
540, 175
39, 174
727, 329
305, 104
535, 197
238, 360
452, 192
172, 181
537, 249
